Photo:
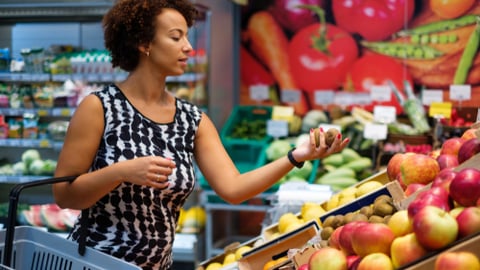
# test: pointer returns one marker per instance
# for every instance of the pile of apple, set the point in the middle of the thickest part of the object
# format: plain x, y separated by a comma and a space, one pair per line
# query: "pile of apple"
444, 207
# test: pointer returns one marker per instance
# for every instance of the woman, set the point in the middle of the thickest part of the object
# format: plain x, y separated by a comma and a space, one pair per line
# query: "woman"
133, 143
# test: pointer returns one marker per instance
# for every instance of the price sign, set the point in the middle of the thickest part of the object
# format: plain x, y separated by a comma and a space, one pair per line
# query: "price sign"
431, 95
375, 131
277, 128
384, 114
460, 92
282, 112
259, 92
324, 97
381, 93
290, 96
440, 109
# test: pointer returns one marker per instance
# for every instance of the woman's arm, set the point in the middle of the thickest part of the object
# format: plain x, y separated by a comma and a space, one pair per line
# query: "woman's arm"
222, 175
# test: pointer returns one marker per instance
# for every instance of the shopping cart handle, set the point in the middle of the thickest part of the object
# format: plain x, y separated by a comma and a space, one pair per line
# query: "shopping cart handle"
12, 210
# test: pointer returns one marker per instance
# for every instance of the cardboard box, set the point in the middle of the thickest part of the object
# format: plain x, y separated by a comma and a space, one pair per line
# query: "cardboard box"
228, 249
257, 257
471, 244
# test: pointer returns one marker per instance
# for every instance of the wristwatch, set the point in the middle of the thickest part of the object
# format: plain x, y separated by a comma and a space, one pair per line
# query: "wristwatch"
292, 159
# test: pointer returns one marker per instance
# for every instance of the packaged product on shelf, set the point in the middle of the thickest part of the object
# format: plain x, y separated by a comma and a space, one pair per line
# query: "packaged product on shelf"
3, 128
4, 59
30, 126
15, 127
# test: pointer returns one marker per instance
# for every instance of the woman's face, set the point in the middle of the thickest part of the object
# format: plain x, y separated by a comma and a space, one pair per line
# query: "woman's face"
170, 47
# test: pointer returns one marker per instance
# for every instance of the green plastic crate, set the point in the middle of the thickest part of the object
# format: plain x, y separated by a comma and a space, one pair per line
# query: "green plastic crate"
252, 120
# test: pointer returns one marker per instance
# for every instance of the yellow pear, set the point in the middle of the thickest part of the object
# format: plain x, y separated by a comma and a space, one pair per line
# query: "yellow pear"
240, 251
214, 266
332, 203
285, 220
229, 258
367, 187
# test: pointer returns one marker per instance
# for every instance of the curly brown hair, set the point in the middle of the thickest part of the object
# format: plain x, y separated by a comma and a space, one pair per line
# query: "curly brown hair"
131, 23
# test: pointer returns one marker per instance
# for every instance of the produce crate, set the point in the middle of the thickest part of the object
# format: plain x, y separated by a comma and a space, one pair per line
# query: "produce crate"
257, 257
36, 249
250, 119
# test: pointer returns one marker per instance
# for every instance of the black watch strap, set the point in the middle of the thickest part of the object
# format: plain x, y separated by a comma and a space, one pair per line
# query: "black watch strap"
292, 159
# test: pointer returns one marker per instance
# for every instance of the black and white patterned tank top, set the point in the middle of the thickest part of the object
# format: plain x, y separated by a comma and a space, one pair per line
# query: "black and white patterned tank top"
132, 222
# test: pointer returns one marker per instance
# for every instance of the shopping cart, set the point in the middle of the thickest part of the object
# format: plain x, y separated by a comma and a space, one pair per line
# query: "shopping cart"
32, 248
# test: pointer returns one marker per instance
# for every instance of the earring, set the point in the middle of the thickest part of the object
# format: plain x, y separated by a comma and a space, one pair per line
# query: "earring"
147, 53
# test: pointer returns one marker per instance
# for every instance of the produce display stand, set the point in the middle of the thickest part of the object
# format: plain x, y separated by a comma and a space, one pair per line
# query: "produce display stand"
26, 247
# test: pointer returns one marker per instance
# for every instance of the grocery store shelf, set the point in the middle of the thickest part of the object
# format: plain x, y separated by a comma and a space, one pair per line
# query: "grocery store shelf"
67, 112
31, 143
90, 77
17, 179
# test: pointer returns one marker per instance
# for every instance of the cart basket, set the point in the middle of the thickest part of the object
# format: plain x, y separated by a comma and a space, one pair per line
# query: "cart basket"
32, 248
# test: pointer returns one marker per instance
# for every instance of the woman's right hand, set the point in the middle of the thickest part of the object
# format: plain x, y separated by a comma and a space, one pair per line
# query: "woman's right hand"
148, 171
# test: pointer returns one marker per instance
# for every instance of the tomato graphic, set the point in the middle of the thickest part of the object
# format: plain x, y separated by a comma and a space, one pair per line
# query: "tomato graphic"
373, 19
320, 56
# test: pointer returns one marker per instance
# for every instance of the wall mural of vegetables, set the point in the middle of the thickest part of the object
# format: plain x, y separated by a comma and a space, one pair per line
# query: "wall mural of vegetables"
348, 46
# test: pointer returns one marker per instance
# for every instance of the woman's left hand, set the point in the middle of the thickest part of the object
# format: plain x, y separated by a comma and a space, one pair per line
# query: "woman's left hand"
309, 150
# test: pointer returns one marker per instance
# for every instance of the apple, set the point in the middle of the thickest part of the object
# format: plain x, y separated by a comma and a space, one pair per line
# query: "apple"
469, 134
345, 237
444, 178
400, 181
451, 146
465, 187
352, 261
468, 221
372, 238
406, 249
439, 191
434, 153
393, 165
468, 149
303, 267
457, 260
447, 161
400, 223
376, 261
427, 198
327, 258
434, 227
455, 211
412, 188
334, 239
419, 168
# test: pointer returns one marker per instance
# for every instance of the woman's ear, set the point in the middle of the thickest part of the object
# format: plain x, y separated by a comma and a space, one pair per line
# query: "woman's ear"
145, 50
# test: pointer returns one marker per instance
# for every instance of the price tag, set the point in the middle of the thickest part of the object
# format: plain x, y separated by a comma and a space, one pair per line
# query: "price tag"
440, 109
460, 92
375, 131
384, 114
44, 143
42, 112
277, 128
290, 96
381, 93
324, 97
259, 92
282, 113
431, 95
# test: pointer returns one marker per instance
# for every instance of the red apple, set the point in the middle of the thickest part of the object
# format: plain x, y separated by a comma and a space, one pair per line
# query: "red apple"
439, 191
465, 187
334, 239
434, 153
457, 260
469, 134
400, 181
304, 267
419, 168
400, 223
456, 211
427, 198
345, 237
328, 258
372, 238
468, 149
406, 249
352, 261
447, 161
393, 165
375, 261
444, 178
451, 146
468, 221
435, 228
412, 188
